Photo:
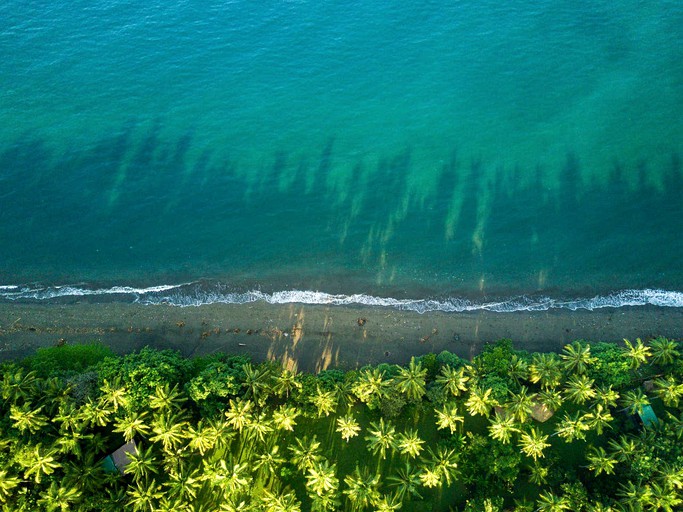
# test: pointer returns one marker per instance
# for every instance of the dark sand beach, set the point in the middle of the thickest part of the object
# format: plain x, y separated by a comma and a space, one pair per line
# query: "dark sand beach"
317, 337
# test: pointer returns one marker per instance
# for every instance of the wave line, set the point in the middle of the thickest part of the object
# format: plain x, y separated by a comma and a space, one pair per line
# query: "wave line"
196, 294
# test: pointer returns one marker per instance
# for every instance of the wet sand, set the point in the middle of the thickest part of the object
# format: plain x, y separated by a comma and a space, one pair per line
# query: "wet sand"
315, 338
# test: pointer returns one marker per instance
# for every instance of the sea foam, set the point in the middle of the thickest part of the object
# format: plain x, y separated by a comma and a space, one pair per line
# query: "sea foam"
196, 294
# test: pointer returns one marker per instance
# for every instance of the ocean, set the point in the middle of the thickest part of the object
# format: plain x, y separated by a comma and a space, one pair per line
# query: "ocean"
436, 155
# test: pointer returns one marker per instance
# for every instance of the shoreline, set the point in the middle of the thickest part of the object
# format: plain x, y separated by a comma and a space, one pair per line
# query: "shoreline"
318, 337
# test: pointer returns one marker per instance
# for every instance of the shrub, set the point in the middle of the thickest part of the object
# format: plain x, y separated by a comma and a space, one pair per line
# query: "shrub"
216, 383
430, 364
611, 367
495, 361
66, 360
141, 372
450, 359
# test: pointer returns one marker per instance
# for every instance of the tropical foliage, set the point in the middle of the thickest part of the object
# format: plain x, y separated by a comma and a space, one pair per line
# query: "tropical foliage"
508, 431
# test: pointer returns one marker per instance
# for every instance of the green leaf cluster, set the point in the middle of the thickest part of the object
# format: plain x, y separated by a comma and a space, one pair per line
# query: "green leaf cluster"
142, 372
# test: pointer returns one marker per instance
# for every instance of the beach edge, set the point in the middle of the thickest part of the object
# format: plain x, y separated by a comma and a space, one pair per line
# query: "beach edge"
317, 337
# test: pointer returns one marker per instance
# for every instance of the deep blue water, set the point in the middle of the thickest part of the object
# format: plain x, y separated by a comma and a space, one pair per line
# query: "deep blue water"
471, 150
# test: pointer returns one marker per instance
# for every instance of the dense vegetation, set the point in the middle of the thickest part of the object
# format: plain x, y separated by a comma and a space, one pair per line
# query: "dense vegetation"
508, 430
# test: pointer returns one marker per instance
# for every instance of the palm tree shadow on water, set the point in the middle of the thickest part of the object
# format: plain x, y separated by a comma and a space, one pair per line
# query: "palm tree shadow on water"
135, 200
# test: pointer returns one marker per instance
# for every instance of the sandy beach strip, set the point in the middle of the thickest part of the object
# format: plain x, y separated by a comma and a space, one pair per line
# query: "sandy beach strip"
317, 337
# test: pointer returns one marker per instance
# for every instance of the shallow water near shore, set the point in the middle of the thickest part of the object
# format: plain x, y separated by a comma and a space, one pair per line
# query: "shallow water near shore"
434, 157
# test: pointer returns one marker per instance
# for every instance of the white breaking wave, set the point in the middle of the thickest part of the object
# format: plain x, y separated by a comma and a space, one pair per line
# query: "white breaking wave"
192, 294
15, 292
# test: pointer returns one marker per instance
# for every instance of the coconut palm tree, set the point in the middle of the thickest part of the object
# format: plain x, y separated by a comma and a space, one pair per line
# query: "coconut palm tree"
409, 443
286, 382
59, 497
518, 368
169, 430
538, 474
664, 498
230, 477
17, 385
480, 401
321, 479
502, 427
579, 389
97, 443
38, 462
598, 506
664, 351
68, 417
572, 427
239, 414
142, 463
8, 482
634, 496
348, 427
132, 424
259, 428
623, 449
224, 432
382, 437
325, 503
598, 418
671, 475
452, 380
523, 505
448, 417
169, 503
202, 438
577, 357
606, 396
387, 503
305, 452
70, 442
361, 489
668, 390
324, 401
166, 398
87, 474
344, 394
144, 495
96, 413
444, 461
257, 381
550, 502
25, 418
51, 393
406, 482
636, 354
184, 484
269, 460
520, 404
551, 398
284, 417
276, 502
533, 442
634, 401
411, 381
114, 394
232, 503
545, 369
599, 461
371, 384
676, 424
430, 477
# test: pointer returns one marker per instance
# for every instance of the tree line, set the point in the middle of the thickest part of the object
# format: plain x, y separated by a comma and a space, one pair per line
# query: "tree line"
596, 427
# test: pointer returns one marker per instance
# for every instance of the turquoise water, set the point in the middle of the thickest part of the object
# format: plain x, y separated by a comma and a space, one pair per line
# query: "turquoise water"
470, 150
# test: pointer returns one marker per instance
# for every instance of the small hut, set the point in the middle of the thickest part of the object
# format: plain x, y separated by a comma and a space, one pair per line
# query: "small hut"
118, 460
648, 416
